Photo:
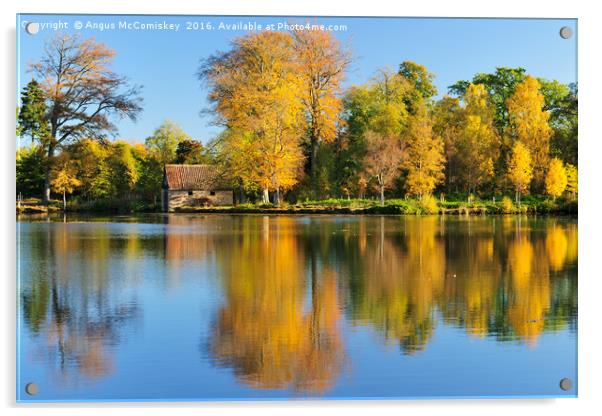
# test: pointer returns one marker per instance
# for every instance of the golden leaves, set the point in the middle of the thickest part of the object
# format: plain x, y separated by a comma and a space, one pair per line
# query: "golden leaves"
520, 170
556, 178
529, 123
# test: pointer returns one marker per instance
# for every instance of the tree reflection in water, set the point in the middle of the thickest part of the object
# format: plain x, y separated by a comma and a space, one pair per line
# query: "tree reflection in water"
292, 287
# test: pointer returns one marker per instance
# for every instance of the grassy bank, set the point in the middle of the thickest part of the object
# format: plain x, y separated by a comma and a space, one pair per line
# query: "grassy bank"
529, 205
532, 205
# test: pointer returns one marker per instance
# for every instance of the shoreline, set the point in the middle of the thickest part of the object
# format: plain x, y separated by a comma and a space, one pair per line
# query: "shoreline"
371, 211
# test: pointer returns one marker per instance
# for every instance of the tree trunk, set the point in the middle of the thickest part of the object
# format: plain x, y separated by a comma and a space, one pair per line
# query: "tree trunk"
241, 194
64, 201
277, 197
46, 196
313, 166
382, 196
265, 196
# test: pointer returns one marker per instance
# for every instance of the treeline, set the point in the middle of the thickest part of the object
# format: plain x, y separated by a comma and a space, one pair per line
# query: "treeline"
110, 175
292, 132
290, 128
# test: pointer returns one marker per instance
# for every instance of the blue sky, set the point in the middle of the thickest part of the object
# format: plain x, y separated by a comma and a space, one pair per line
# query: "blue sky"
164, 62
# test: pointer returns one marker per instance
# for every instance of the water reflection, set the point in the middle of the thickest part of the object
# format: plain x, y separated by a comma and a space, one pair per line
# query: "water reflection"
272, 330
292, 288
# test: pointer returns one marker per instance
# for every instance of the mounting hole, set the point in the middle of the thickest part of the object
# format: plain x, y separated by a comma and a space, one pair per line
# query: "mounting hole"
566, 384
32, 28
31, 389
566, 32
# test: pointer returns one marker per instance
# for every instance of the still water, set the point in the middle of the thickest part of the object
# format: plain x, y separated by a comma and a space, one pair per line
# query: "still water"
184, 307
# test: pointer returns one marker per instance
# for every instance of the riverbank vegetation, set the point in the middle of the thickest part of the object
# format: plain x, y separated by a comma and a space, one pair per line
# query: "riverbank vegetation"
294, 137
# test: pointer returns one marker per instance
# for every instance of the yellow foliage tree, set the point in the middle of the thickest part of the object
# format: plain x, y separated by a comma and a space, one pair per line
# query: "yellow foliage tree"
520, 171
478, 142
424, 159
322, 62
64, 183
255, 89
529, 124
556, 179
572, 185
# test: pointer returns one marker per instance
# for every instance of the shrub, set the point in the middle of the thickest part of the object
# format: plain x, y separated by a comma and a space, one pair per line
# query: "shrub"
507, 205
428, 205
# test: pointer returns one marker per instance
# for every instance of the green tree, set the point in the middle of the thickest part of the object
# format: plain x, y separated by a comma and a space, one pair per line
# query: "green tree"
563, 120
30, 170
164, 141
190, 151
150, 174
421, 81
122, 170
377, 108
572, 180
32, 118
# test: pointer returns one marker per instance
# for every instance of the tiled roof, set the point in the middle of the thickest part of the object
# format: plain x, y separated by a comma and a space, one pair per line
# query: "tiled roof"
194, 177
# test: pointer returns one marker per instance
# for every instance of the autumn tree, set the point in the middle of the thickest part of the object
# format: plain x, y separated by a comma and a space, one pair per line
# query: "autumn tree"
165, 140
383, 157
424, 161
520, 170
321, 66
82, 93
500, 86
478, 143
572, 180
64, 182
255, 89
448, 123
529, 124
89, 158
556, 178
376, 118
560, 100
378, 107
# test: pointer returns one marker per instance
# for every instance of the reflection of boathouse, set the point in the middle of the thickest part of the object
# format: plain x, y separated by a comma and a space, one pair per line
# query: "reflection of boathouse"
194, 185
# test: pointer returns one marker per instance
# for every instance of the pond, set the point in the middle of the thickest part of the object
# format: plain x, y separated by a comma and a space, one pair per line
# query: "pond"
215, 307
